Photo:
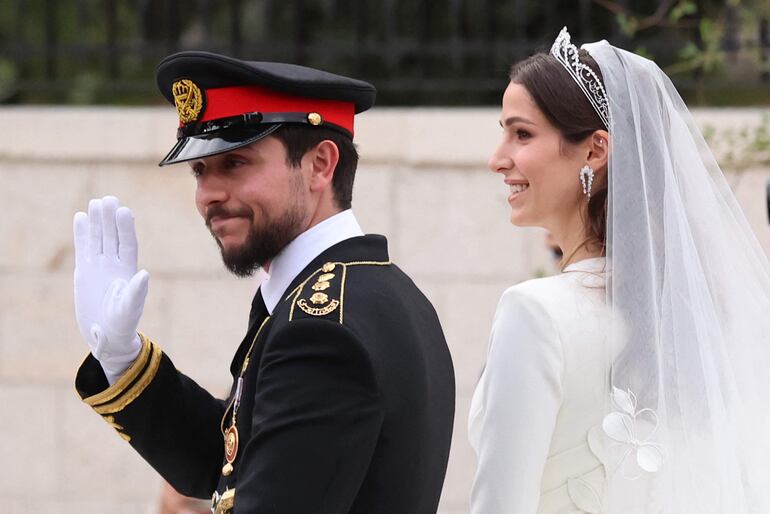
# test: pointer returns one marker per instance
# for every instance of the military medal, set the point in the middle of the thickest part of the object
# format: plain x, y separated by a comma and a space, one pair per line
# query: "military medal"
231, 434
231, 449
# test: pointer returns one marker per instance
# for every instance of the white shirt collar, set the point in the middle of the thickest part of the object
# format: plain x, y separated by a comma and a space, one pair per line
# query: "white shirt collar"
295, 257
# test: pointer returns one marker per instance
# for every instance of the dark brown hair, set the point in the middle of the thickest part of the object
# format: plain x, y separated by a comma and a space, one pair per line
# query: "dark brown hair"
565, 106
298, 139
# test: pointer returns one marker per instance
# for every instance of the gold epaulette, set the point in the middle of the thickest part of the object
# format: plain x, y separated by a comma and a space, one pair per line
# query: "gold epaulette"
129, 386
322, 294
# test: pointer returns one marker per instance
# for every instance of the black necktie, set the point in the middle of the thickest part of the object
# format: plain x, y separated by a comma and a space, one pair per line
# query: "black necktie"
258, 310
256, 316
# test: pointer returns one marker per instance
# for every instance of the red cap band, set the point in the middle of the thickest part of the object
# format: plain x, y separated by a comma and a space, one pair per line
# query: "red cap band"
224, 102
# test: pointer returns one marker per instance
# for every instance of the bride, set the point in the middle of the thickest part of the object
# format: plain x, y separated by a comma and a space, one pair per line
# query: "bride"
638, 379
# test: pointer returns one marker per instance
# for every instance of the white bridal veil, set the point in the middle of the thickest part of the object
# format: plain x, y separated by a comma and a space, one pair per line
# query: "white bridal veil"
688, 424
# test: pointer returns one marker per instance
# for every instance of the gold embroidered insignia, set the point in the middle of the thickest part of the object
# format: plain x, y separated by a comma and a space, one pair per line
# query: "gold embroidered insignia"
319, 298
188, 99
318, 311
321, 286
321, 303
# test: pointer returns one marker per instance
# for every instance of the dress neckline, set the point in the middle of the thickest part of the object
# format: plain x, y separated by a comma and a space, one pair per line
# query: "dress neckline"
590, 264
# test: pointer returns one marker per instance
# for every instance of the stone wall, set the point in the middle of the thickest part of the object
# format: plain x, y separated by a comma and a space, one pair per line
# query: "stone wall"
422, 182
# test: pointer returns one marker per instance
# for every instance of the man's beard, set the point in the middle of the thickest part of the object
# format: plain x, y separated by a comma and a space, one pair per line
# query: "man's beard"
263, 242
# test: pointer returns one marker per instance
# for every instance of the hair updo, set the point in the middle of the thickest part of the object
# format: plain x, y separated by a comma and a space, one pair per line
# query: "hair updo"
566, 107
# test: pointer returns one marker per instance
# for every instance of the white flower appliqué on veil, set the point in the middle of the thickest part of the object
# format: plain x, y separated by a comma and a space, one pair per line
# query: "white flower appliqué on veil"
634, 431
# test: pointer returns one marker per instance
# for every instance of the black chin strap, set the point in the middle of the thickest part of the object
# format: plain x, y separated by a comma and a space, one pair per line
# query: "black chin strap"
255, 120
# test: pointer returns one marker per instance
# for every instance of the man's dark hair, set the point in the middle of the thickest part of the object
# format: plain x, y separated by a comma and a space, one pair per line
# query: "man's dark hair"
298, 139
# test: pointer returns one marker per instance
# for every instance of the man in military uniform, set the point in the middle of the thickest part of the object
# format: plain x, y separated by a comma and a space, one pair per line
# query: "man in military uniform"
343, 393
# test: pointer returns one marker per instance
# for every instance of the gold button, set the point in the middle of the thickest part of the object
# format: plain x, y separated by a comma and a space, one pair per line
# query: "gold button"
314, 118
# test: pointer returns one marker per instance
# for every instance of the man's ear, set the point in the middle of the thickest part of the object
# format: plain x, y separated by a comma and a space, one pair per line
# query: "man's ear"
324, 159
598, 150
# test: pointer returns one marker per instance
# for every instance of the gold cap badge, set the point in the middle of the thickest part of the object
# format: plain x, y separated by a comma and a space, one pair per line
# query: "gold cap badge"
188, 99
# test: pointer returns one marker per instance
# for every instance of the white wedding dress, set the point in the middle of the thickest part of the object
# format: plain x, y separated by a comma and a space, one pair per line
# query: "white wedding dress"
651, 396
535, 418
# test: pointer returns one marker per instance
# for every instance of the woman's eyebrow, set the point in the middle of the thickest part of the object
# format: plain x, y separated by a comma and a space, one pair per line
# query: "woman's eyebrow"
515, 119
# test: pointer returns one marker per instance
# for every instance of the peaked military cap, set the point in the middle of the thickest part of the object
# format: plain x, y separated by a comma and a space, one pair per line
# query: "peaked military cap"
225, 103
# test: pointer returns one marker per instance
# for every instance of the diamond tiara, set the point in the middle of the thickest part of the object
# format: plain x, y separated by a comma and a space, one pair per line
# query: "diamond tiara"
567, 54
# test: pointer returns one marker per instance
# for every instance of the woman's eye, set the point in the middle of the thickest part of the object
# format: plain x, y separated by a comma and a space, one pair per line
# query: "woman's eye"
523, 134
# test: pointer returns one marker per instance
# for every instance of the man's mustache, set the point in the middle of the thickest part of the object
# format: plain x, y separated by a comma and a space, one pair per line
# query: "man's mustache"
220, 211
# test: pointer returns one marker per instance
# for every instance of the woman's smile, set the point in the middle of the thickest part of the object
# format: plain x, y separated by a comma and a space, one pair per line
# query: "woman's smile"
516, 190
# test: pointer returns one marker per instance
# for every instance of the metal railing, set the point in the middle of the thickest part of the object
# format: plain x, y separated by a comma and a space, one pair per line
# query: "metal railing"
447, 52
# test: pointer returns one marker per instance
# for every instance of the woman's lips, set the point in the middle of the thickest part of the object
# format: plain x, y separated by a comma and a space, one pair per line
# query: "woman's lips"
517, 190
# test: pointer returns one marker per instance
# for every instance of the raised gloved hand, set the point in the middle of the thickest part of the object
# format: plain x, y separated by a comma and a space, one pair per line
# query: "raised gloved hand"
109, 292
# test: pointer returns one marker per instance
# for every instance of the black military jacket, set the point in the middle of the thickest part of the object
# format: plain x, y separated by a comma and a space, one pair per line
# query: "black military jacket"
347, 399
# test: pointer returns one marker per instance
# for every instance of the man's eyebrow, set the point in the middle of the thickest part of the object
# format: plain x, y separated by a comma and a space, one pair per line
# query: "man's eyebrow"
515, 119
244, 151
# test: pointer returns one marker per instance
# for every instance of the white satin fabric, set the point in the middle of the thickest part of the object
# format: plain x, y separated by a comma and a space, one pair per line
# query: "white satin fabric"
536, 412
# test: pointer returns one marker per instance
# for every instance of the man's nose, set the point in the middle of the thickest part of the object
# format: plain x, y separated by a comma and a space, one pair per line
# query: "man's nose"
209, 191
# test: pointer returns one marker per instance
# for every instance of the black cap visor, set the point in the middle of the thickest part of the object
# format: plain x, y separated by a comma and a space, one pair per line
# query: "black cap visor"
213, 143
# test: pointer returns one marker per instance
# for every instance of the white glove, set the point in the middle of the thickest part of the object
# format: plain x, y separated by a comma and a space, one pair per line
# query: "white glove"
109, 293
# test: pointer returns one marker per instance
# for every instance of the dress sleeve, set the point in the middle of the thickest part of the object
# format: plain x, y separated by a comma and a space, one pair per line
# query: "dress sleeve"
521, 397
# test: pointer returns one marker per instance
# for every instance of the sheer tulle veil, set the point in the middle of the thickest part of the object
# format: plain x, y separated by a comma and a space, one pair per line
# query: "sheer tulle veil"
687, 429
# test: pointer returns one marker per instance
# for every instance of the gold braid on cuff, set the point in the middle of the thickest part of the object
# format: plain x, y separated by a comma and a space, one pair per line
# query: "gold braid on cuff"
132, 383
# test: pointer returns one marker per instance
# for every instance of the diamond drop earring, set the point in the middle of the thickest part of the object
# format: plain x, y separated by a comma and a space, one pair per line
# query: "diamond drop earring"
587, 180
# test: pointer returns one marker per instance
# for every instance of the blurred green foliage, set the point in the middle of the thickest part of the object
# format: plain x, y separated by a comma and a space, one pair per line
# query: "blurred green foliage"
8, 78
418, 52
743, 148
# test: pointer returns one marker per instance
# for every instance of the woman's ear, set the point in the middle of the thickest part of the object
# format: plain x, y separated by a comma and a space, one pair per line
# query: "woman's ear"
598, 150
324, 161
